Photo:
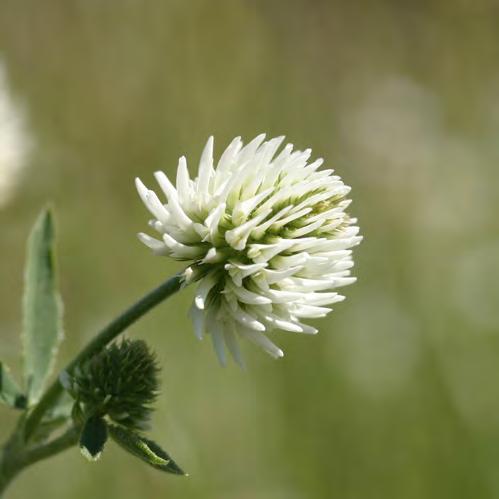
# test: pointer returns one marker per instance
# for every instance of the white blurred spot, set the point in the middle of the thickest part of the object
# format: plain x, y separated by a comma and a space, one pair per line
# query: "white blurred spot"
395, 126
15, 142
456, 196
437, 177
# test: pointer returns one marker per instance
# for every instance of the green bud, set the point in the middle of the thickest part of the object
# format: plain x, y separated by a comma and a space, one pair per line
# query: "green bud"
121, 382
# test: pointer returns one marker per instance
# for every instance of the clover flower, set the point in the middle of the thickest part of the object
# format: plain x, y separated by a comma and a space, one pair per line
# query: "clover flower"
267, 236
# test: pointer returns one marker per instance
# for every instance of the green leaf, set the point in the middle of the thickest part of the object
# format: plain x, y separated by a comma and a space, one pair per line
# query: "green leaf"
46, 428
10, 393
93, 438
42, 321
54, 418
144, 449
62, 409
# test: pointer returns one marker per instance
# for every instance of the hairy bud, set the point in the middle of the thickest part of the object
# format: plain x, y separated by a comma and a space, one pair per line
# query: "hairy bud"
121, 382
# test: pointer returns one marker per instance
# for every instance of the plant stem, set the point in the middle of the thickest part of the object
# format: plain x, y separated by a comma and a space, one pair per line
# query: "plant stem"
65, 441
15, 457
104, 337
17, 454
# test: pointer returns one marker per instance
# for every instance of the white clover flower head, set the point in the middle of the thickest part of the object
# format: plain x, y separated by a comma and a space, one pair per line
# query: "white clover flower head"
267, 235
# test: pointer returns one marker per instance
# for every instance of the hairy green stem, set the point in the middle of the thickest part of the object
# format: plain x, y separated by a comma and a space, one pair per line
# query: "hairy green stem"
16, 457
16, 453
103, 338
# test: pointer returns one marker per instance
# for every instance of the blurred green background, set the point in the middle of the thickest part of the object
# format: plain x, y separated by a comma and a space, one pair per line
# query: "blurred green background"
398, 395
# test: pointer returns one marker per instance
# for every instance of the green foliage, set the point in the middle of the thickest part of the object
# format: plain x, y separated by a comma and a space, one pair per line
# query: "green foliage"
10, 393
120, 382
54, 418
42, 321
93, 438
47, 427
146, 450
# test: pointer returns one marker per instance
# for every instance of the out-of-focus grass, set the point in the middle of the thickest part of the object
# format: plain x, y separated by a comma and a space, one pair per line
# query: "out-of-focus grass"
397, 397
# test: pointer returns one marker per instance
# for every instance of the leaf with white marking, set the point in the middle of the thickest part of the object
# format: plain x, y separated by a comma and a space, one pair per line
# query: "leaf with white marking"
146, 450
